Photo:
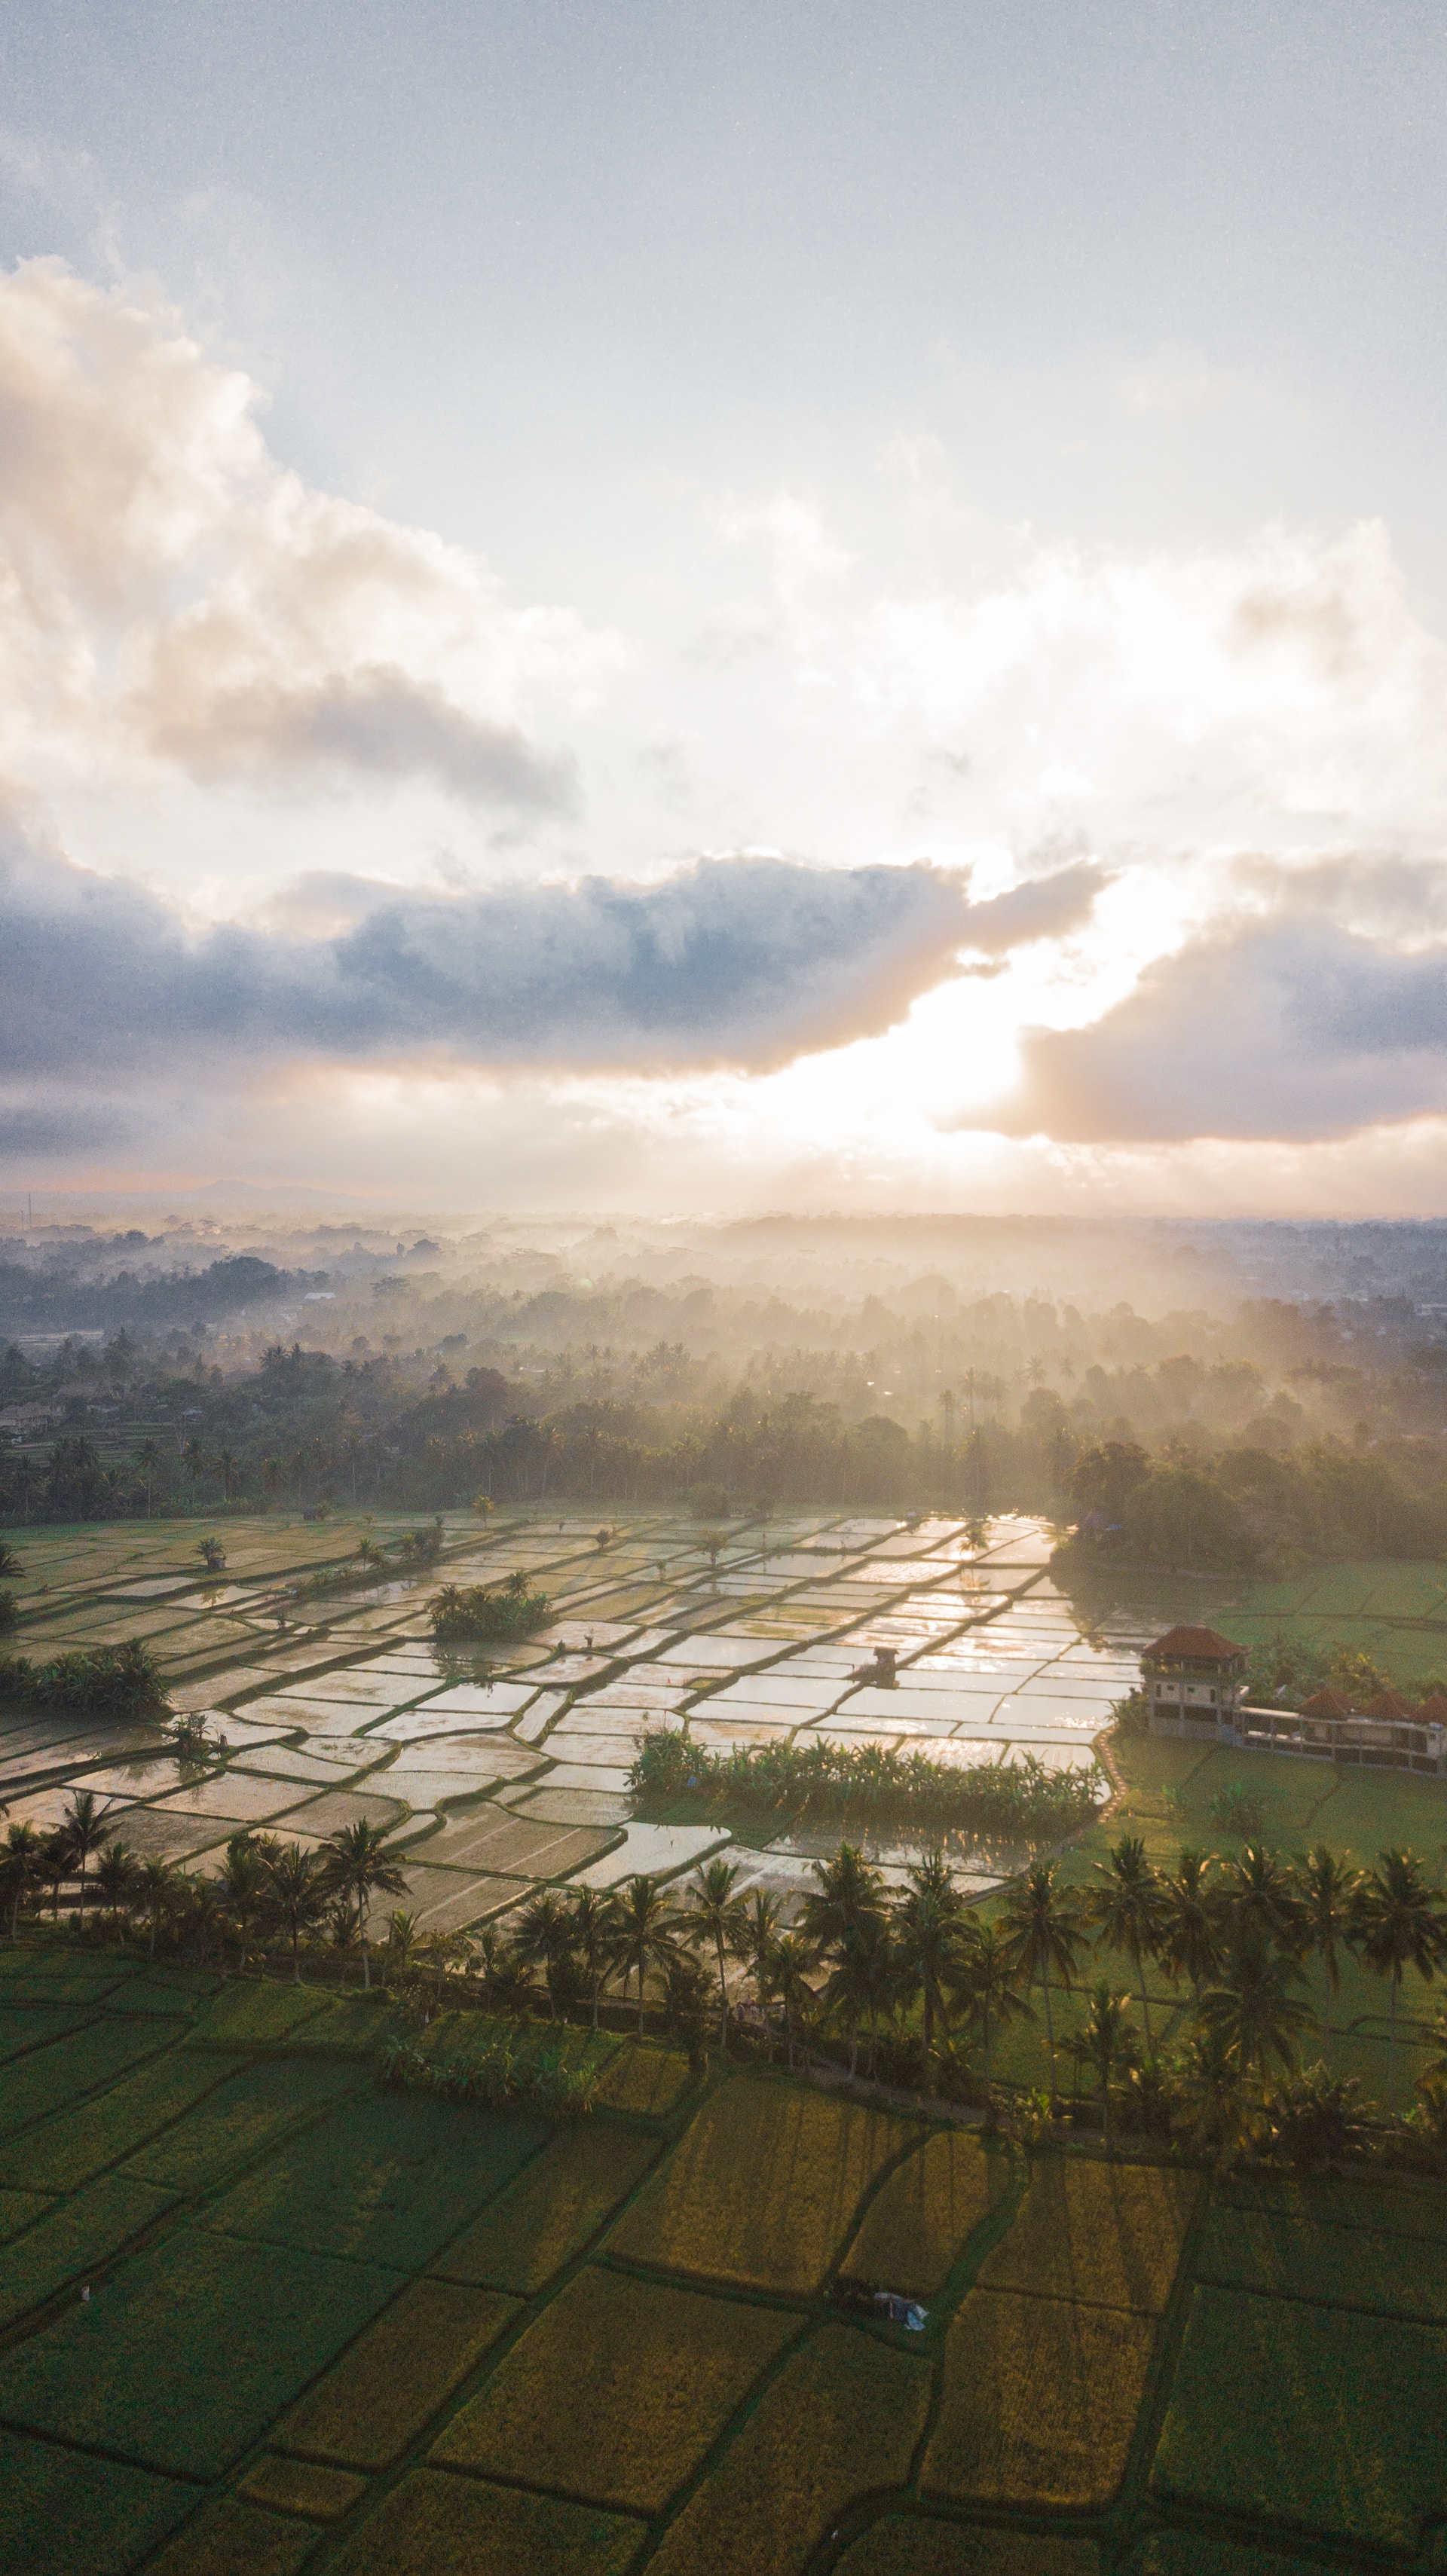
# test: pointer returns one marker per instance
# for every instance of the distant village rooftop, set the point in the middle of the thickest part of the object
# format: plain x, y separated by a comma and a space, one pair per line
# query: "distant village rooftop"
1195, 1688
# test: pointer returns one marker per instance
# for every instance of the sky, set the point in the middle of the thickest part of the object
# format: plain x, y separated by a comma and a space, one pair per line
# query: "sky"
717, 608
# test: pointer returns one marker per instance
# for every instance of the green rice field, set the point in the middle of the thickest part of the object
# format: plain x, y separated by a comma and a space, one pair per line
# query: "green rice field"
334, 2328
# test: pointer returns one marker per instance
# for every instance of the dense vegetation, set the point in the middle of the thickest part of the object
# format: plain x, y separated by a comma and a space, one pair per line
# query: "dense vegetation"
119, 1682
1020, 1801
489, 1613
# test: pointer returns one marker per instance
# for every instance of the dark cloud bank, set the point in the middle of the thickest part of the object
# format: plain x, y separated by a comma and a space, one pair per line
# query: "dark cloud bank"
740, 961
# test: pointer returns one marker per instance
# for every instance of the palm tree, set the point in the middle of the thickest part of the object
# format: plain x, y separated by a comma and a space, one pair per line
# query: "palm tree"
1398, 1923
358, 1868
55, 1866
300, 1894
1127, 1909
926, 1925
202, 1899
1102, 2037
543, 1937
864, 1981
1045, 1928
157, 1891
1190, 1938
115, 1879
86, 1831
401, 1941
715, 1915
645, 1929
1251, 2012
22, 1864
845, 1891
148, 1459
789, 1965
1259, 1894
754, 1941
989, 1982
243, 1887
226, 1461
590, 1921
1328, 1890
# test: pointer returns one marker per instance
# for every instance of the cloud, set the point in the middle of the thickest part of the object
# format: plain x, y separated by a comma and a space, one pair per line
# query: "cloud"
1288, 1028
746, 961
173, 600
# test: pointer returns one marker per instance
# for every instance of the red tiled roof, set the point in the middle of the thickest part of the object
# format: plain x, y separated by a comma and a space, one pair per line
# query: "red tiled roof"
1328, 1703
1433, 1711
1389, 1704
1192, 1646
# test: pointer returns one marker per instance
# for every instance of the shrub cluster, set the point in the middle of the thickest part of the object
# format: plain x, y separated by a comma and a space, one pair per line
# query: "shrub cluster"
500, 1616
1016, 1801
499, 2073
92, 1681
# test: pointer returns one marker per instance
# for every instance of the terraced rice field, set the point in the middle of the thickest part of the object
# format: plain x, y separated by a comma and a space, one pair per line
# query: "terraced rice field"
502, 1769
390, 2336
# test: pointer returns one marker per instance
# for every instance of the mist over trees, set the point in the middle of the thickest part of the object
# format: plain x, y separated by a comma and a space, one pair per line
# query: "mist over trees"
1218, 1417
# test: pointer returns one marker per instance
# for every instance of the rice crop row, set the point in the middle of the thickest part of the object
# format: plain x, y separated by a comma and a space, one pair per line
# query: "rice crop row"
392, 2380
841, 2420
552, 2211
230, 2534
53, 2521
76, 2237
914, 2545
919, 2220
618, 2390
645, 2080
1309, 2416
385, 2180
1393, 2208
1109, 2234
188, 2352
1018, 1801
67, 2149
763, 2186
247, 2112
433, 2524
1195, 2553
1040, 2402
1342, 2267
67, 2069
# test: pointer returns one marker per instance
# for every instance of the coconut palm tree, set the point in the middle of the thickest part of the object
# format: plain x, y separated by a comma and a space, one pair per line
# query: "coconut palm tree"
86, 1832
1127, 1910
590, 1921
1190, 1938
22, 1866
1251, 2012
845, 1891
753, 1943
926, 1922
789, 1965
1045, 1927
1398, 1923
1259, 1894
358, 1868
865, 1979
243, 1886
115, 1879
157, 1889
645, 1928
1327, 1890
1102, 2038
715, 1914
300, 1894
148, 1459
543, 1937
990, 1985
55, 1866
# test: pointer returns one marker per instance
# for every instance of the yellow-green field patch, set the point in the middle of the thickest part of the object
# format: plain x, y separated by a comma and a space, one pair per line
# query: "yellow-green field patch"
395, 2376
1107, 2233
67, 2150
77, 2236
68, 2069
1040, 2402
913, 2545
763, 2186
1310, 2416
920, 2218
552, 2211
617, 2391
247, 2112
302, 2486
648, 2081
387, 2179
61, 2511
189, 2350
434, 2524
232, 2537
840, 2421
1342, 2267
